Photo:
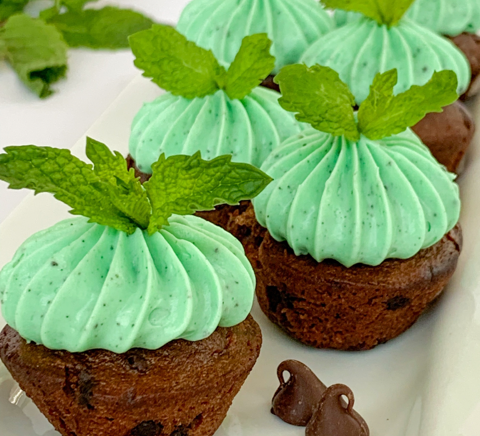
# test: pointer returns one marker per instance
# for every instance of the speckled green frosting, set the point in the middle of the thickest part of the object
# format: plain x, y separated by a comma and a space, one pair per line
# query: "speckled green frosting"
363, 48
221, 25
446, 17
79, 286
357, 202
248, 129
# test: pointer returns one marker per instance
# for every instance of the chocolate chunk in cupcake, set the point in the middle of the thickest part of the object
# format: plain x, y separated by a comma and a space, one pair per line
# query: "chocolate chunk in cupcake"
133, 319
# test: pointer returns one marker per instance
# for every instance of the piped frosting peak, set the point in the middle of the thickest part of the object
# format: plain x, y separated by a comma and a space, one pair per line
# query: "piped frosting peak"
79, 286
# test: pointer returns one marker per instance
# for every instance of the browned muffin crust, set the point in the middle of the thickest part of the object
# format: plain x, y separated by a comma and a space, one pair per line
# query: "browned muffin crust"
219, 216
469, 44
327, 305
182, 389
447, 134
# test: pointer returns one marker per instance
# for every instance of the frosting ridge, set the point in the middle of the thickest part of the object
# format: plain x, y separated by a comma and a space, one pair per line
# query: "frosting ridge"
363, 48
357, 202
220, 25
78, 286
249, 129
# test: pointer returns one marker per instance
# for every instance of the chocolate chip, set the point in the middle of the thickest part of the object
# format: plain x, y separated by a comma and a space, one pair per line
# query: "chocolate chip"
398, 302
296, 398
180, 431
147, 428
274, 298
333, 417
85, 387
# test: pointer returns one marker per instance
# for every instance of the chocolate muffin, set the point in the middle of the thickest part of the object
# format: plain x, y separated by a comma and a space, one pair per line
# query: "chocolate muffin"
184, 388
358, 232
447, 134
469, 44
354, 308
234, 116
131, 324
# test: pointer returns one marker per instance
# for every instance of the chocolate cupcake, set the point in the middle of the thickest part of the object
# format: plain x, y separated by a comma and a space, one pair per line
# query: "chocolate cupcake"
361, 221
382, 40
132, 320
221, 25
207, 109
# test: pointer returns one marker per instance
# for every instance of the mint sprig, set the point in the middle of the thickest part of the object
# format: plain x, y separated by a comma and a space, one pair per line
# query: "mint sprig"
320, 98
388, 12
184, 184
109, 194
183, 68
382, 114
251, 65
37, 48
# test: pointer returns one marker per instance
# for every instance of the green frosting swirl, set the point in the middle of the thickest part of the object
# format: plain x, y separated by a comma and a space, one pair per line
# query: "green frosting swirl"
248, 129
446, 17
221, 25
357, 202
363, 48
79, 286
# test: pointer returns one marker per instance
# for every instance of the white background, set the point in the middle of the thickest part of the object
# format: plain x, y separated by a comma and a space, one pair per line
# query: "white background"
94, 80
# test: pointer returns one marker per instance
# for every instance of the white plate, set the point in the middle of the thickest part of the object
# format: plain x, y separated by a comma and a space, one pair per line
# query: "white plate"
424, 383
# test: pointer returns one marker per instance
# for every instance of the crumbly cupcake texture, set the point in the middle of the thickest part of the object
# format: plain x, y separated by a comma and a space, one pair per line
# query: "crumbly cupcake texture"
357, 214
100, 308
210, 110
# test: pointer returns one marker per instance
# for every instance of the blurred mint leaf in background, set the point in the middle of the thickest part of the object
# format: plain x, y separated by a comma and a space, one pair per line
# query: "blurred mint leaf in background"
106, 28
36, 50
10, 7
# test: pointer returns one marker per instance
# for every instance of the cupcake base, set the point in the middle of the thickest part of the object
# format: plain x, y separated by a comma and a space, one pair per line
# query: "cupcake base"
219, 216
326, 305
469, 44
184, 388
447, 134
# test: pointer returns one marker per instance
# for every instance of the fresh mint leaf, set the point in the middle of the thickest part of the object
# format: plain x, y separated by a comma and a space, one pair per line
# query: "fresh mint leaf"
106, 28
176, 64
387, 12
185, 184
45, 169
120, 184
320, 98
382, 114
11, 7
36, 51
250, 67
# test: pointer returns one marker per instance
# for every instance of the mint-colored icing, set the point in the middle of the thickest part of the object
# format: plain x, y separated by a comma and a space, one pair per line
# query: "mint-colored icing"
248, 129
357, 202
221, 25
78, 286
446, 17
363, 48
